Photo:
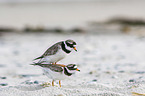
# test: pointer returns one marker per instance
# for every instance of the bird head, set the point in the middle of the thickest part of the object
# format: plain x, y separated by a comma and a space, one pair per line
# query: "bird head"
72, 67
70, 43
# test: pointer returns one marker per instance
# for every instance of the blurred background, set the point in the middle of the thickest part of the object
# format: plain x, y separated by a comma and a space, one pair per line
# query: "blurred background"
107, 32
68, 16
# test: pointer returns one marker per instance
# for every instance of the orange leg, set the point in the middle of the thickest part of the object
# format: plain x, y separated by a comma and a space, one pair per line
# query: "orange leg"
59, 83
54, 63
53, 83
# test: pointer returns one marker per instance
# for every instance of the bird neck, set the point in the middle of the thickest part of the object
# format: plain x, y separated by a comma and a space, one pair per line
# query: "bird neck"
66, 72
63, 45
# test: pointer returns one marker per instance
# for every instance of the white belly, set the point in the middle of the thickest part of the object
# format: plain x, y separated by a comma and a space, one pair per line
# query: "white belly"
54, 75
55, 58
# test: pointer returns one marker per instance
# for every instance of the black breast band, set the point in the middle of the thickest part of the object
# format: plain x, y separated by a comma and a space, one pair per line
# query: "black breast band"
66, 72
64, 49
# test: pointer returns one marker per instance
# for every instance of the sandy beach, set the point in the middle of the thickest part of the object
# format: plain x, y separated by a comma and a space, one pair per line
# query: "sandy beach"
111, 65
110, 57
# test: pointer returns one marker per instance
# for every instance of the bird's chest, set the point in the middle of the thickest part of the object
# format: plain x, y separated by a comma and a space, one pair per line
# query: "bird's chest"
58, 56
54, 75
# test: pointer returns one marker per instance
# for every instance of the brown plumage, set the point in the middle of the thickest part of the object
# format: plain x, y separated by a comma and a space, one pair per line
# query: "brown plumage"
56, 68
51, 51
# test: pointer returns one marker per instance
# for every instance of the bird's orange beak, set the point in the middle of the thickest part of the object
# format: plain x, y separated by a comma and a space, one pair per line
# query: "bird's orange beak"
75, 48
77, 69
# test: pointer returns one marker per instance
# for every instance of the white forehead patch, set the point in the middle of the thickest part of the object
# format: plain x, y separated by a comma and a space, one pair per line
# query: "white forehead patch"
75, 66
70, 42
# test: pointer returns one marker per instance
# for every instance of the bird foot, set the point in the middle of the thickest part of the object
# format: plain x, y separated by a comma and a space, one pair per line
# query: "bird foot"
53, 63
46, 84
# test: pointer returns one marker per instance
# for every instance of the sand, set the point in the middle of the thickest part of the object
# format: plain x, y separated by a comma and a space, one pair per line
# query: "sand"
111, 65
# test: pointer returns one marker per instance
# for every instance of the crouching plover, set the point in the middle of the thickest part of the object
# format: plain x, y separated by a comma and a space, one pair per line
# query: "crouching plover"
57, 52
58, 71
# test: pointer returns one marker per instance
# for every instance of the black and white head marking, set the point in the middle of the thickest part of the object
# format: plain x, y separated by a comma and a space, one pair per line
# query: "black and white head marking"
68, 45
70, 69
63, 46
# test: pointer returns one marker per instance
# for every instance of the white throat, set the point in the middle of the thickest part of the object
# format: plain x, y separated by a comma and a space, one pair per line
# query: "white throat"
67, 47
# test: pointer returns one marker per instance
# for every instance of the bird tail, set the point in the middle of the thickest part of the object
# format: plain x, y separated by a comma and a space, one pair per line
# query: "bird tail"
36, 64
38, 58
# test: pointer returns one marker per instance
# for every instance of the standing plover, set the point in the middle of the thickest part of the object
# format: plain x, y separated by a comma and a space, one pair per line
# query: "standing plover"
58, 72
57, 51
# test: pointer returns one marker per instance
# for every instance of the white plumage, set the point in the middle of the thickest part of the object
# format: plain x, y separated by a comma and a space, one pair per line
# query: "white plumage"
54, 58
54, 75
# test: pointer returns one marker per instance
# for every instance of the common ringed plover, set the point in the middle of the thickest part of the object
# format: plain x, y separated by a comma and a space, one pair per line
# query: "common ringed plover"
57, 51
58, 72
